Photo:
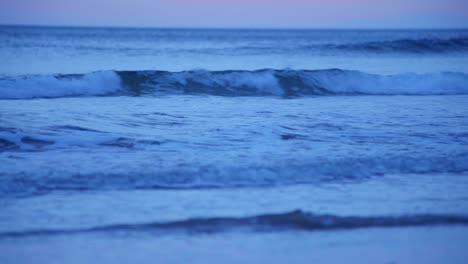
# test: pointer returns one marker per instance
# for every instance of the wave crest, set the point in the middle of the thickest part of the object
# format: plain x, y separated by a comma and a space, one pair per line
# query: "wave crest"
55, 86
294, 220
267, 82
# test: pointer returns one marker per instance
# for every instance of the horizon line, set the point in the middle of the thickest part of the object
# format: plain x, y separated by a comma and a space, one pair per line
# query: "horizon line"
226, 27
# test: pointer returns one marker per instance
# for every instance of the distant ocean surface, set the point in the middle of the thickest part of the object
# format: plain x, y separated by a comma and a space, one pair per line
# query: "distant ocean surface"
268, 140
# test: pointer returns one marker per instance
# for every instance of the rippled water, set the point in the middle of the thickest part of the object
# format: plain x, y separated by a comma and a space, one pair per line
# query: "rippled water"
192, 141
60, 50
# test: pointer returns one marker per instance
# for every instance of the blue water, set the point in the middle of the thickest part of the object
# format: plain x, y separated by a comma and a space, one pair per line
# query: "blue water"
190, 139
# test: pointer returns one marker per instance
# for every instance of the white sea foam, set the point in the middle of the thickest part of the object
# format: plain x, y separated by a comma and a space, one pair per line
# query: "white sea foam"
351, 82
49, 86
234, 83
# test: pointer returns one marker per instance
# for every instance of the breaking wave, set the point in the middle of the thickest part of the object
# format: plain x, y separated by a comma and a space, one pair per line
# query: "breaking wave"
294, 220
267, 82
54, 86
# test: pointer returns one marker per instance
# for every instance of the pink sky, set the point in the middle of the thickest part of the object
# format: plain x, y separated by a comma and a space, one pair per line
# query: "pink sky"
238, 13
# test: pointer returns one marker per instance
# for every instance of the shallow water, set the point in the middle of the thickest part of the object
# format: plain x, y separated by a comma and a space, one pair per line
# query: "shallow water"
205, 141
394, 245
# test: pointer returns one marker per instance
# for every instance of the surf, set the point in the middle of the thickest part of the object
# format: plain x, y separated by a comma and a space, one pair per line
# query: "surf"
264, 82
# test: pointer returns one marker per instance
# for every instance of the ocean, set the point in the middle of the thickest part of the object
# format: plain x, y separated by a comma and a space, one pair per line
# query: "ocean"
141, 145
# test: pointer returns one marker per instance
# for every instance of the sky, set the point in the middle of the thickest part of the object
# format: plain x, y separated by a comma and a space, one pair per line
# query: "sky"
238, 13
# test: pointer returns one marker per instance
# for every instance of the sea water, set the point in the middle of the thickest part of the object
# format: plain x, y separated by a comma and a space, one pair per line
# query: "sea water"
209, 145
